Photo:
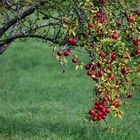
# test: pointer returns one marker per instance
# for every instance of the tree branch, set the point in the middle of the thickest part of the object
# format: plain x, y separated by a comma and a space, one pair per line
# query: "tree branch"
4, 43
17, 18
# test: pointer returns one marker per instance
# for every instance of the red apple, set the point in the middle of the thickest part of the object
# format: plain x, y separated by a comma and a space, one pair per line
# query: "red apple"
97, 103
113, 56
99, 14
89, 73
101, 73
87, 67
108, 61
119, 23
59, 53
91, 25
91, 112
138, 13
74, 60
115, 36
130, 19
85, 35
129, 95
94, 119
74, 42
100, 106
99, 118
102, 54
93, 67
66, 53
103, 1
107, 110
136, 42
103, 116
137, 51
94, 44
111, 77
71, 41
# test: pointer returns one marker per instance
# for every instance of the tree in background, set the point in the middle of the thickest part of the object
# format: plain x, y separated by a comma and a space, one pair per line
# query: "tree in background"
105, 30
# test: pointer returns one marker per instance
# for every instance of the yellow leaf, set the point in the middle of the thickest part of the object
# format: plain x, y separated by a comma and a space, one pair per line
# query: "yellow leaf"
65, 60
58, 58
100, 25
72, 32
126, 61
65, 26
102, 78
77, 22
77, 67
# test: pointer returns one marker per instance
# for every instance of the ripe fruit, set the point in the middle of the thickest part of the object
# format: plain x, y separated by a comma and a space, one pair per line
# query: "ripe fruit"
95, 77
91, 25
66, 53
104, 103
136, 42
108, 61
137, 51
96, 107
94, 119
101, 73
103, 116
74, 42
102, 54
71, 41
103, 1
126, 70
85, 35
113, 56
93, 67
74, 60
129, 95
99, 118
115, 104
94, 44
59, 53
119, 23
98, 14
99, 31
100, 106
97, 103
138, 13
111, 77
89, 73
102, 19
130, 19
107, 110
115, 36
105, 99
91, 112
87, 67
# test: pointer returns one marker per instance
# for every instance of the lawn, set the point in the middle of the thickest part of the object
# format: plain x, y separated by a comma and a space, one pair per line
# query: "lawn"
39, 102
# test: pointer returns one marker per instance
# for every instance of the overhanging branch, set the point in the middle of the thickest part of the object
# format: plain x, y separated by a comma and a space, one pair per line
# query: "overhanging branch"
17, 18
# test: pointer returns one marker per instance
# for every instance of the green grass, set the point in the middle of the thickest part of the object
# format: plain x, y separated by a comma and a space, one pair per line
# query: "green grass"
39, 102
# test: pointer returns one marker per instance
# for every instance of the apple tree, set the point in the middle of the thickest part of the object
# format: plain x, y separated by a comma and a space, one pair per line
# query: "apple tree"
108, 31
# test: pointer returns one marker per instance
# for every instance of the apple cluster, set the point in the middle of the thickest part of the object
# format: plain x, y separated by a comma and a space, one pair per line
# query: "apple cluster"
67, 52
112, 43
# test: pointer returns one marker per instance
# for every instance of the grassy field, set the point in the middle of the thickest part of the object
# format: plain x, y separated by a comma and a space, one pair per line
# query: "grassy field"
39, 102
